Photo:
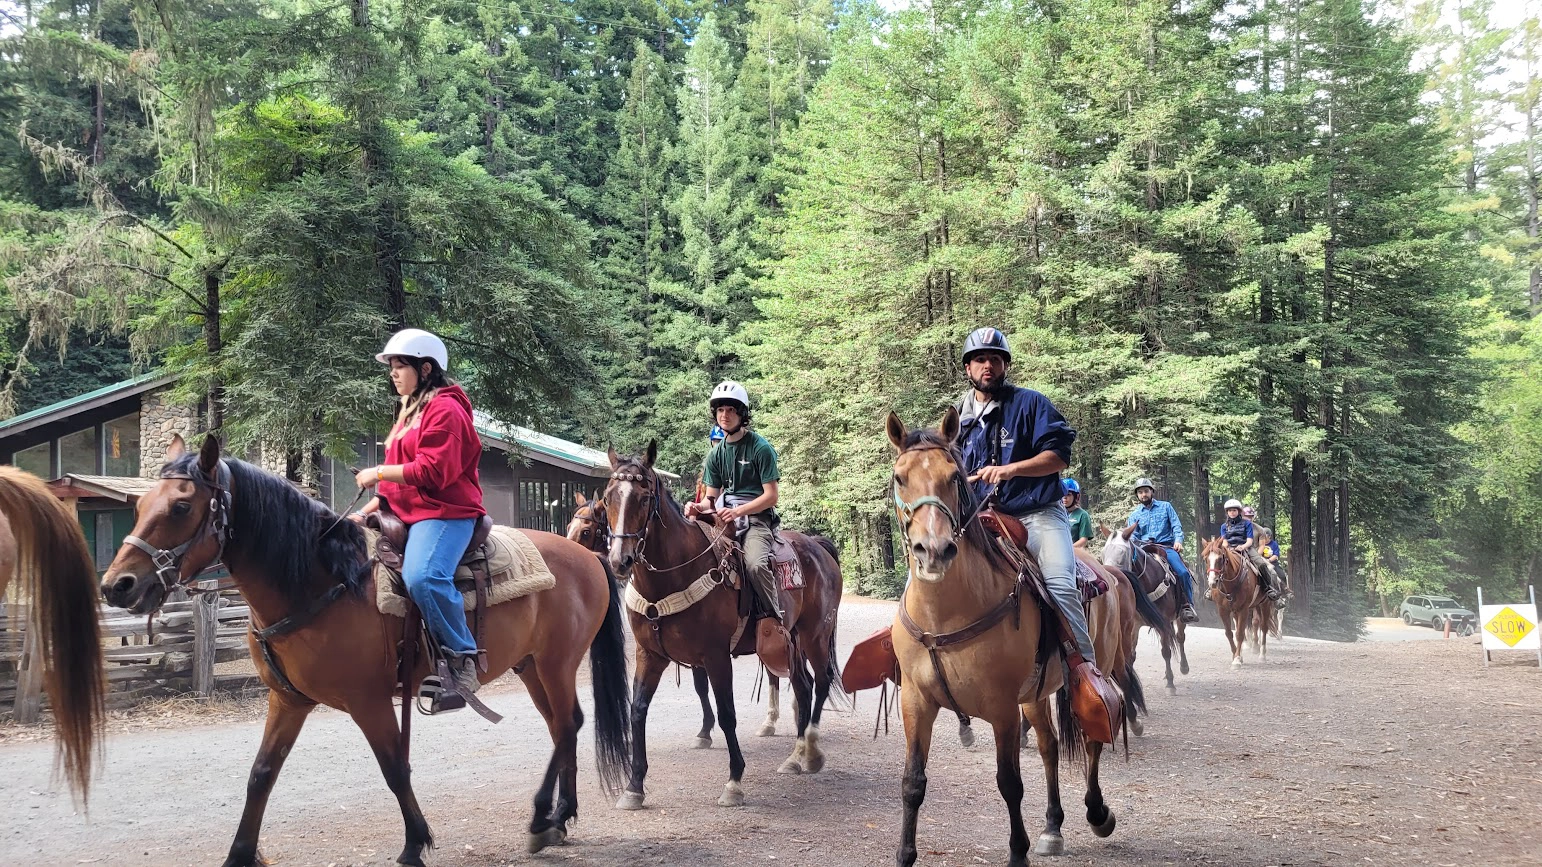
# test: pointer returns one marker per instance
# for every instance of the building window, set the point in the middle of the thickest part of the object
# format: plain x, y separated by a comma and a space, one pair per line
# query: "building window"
120, 446
77, 453
534, 505
37, 460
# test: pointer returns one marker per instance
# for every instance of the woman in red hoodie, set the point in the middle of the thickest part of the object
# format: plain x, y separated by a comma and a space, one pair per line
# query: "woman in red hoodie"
430, 480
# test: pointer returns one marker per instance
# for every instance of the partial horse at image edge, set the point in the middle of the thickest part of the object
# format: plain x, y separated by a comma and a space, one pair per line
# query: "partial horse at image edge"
56, 575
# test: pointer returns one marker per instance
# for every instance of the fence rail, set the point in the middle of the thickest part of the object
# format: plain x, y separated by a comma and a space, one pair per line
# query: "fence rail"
174, 651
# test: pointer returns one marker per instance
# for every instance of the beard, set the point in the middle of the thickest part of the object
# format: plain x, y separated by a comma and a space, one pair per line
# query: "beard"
995, 388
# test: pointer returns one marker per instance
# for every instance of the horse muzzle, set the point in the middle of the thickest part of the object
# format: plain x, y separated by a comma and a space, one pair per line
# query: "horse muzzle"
933, 557
140, 594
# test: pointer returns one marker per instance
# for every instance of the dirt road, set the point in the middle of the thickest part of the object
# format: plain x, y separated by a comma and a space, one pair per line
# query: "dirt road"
1376, 753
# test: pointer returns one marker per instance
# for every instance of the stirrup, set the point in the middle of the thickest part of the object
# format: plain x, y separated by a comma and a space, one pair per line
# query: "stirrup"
439, 697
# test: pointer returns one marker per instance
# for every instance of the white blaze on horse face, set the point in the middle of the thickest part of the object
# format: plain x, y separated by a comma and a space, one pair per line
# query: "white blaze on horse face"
617, 554
1215, 568
932, 530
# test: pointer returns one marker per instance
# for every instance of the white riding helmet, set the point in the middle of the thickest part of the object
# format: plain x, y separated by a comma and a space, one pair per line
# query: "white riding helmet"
415, 343
726, 391
1232, 504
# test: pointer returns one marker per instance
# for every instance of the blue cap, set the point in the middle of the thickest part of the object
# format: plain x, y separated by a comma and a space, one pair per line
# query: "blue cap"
1071, 487
716, 435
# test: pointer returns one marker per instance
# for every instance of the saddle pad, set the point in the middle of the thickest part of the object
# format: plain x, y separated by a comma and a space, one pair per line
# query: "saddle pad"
1091, 583
785, 564
514, 565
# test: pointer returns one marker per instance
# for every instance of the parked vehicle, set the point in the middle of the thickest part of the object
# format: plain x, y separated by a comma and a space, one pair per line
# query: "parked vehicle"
1434, 610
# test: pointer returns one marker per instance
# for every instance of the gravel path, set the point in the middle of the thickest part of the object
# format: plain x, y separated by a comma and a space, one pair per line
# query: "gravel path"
1378, 753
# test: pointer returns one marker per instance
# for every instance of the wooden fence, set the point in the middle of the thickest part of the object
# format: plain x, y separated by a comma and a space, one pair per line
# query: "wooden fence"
173, 652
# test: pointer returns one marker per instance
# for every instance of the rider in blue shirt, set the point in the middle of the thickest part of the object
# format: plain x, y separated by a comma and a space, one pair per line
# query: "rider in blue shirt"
1238, 532
1157, 521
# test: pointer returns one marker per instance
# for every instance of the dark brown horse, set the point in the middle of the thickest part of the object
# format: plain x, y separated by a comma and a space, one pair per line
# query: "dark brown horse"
674, 553
1240, 599
308, 580
1150, 575
985, 631
42, 546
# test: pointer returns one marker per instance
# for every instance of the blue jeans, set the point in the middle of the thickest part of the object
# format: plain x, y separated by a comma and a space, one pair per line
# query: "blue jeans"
1049, 538
1185, 580
434, 549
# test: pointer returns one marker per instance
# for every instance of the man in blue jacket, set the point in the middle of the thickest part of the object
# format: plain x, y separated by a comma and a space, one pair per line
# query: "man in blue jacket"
1013, 439
1156, 521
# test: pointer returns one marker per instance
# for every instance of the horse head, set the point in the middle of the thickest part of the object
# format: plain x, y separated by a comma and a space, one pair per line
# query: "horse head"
1222, 566
931, 493
588, 527
181, 530
1118, 550
630, 504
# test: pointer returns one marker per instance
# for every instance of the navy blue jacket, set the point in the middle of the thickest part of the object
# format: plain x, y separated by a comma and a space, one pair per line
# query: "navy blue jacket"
1023, 424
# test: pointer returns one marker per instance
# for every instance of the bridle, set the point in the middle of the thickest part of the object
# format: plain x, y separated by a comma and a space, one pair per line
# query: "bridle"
653, 514
1214, 576
216, 524
601, 529
907, 510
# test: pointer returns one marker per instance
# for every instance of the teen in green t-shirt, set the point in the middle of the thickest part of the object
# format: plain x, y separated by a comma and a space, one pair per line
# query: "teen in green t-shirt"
1081, 522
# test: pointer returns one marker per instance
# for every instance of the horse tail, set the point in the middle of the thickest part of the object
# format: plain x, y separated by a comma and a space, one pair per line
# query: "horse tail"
612, 696
1071, 735
1134, 693
56, 573
1149, 613
837, 698
828, 545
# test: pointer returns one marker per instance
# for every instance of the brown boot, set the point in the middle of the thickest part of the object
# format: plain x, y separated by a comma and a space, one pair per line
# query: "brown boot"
1096, 702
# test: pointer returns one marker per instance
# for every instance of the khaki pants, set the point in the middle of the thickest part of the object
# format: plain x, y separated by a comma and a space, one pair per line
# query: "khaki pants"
757, 559
1265, 576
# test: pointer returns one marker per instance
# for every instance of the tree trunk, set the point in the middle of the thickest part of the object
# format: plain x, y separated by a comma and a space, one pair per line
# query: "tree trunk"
213, 346
1202, 516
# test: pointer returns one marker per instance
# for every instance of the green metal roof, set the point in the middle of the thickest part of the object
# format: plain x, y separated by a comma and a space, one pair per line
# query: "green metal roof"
63, 408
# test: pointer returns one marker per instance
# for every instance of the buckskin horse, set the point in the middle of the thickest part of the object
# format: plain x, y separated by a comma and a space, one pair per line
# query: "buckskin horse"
693, 616
1239, 599
42, 547
319, 637
1150, 575
967, 640
587, 527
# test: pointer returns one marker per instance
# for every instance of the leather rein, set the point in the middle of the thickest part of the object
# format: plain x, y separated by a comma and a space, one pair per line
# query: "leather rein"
1011, 605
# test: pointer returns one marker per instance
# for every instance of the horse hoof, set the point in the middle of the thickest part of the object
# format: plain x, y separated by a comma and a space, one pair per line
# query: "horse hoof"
1183, 668
1138, 727
1172, 690
1106, 828
733, 796
813, 764
402, 860
550, 837
966, 736
790, 766
1049, 845
767, 730
1236, 664
703, 743
630, 801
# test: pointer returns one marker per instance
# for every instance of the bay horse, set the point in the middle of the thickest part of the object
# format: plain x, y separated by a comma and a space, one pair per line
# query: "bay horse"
319, 637
43, 549
1244, 607
588, 528
979, 642
1149, 574
672, 553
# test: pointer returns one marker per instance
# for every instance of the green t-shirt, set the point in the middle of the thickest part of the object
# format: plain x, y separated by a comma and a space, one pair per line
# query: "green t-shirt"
1081, 524
743, 468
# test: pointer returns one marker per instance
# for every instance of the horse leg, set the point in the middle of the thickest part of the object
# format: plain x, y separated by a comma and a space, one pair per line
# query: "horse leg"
720, 672
802, 710
773, 705
1009, 781
650, 667
1234, 625
1183, 653
563, 719
703, 737
1050, 841
1167, 661
278, 736
918, 714
378, 722
824, 678
1099, 816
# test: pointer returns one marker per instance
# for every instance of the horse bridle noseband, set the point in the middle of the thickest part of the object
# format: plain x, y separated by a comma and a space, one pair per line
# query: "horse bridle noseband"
653, 513
907, 511
216, 523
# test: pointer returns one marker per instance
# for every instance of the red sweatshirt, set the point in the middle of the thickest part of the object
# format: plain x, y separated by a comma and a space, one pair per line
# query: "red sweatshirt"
439, 457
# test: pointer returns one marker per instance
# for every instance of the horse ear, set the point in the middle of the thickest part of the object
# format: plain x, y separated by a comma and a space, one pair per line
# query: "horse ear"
1127, 532
1103, 528
897, 432
578, 498
615, 460
653, 453
209, 455
176, 449
949, 425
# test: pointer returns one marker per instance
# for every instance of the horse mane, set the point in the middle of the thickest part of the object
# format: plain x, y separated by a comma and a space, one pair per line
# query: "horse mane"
277, 529
974, 531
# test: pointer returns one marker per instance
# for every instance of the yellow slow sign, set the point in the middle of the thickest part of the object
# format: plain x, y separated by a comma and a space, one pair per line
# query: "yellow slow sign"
1509, 626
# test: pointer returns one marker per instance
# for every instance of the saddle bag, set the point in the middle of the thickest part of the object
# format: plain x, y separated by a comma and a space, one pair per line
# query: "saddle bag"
871, 663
